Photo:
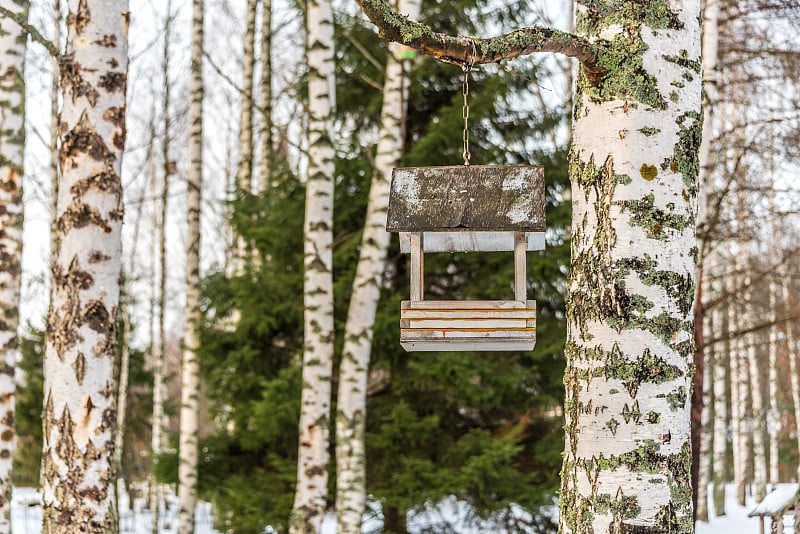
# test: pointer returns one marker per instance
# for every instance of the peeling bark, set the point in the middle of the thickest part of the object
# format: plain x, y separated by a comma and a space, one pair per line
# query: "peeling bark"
190, 372
312, 465
80, 405
13, 41
629, 310
353, 372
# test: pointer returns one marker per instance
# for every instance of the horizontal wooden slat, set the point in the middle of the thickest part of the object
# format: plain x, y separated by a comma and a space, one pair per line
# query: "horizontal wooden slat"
484, 324
469, 241
467, 305
511, 313
459, 340
445, 333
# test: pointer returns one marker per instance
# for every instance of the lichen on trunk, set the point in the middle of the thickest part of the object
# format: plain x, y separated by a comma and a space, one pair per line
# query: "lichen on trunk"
629, 310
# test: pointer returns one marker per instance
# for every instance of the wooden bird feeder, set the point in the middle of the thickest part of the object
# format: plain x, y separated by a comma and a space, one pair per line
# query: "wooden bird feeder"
476, 208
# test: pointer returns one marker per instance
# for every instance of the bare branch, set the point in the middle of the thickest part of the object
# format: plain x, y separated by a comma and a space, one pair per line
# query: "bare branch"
31, 30
468, 50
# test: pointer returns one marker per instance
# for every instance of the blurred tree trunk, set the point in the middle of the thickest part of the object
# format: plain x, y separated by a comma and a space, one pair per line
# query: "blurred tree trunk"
13, 40
312, 465
54, 131
703, 295
80, 408
720, 442
158, 437
756, 387
739, 387
244, 168
190, 372
354, 369
704, 469
267, 141
794, 356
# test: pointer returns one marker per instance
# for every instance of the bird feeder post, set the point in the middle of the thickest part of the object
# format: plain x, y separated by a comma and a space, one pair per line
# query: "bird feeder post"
417, 267
520, 267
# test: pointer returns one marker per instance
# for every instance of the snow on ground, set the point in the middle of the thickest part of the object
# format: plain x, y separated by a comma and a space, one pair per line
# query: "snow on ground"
26, 517
735, 520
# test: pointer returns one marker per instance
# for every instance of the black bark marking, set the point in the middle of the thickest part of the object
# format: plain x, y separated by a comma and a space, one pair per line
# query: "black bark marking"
83, 139
112, 81
79, 367
63, 322
71, 78
97, 256
107, 41
96, 317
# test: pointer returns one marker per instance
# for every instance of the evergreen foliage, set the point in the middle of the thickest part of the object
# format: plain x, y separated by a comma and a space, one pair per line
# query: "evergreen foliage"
483, 427
28, 412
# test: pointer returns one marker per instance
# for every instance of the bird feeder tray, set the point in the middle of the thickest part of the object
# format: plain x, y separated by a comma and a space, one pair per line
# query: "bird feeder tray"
468, 209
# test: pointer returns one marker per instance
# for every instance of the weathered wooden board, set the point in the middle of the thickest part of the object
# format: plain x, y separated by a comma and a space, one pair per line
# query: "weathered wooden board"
470, 241
487, 325
459, 198
467, 305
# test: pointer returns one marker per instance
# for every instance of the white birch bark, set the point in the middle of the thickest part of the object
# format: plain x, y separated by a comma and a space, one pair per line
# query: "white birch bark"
267, 157
312, 464
354, 368
706, 430
158, 423
80, 406
244, 168
54, 131
12, 146
629, 310
190, 371
773, 415
757, 425
794, 364
720, 441
704, 261
739, 381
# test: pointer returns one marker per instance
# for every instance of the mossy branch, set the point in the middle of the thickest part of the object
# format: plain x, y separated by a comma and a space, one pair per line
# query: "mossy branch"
460, 50
22, 20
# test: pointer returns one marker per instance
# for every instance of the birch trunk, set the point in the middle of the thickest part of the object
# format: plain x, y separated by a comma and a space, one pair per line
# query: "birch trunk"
244, 168
794, 365
721, 412
12, 146
80, 407
631, 286
756, 426
354, 369
706, 181
739, 382
54, 132
190, 372
267, 159
158, 437
774, 414
312, 464
706, 433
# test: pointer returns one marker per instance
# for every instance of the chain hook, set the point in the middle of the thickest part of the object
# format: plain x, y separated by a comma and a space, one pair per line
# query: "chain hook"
468, 64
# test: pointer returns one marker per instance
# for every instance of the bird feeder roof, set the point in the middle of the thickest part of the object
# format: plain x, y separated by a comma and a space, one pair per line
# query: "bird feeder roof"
465, 198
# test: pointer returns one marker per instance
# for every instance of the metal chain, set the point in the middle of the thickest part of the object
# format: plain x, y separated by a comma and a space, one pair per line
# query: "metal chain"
465, 115
465, 108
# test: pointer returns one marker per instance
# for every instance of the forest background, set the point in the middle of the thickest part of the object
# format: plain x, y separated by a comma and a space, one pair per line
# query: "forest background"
484, 428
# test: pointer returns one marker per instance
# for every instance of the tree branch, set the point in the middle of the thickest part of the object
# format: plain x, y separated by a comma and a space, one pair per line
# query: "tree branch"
20, 19
460, 50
